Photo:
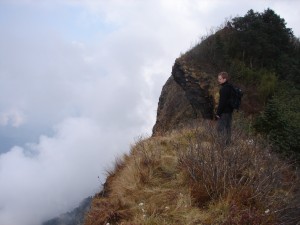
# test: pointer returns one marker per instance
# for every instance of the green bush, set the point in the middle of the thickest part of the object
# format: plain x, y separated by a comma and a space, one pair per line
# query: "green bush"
242, 73
280, 120
268, 82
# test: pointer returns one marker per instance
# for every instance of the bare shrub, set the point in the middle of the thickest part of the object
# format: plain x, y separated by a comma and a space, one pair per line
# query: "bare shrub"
248, 175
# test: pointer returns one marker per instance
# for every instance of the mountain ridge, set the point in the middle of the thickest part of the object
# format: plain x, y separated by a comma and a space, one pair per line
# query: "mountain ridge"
74, 217
183, 174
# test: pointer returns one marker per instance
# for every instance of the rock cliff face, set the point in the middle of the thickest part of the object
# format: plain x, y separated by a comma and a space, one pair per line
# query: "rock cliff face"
188, 95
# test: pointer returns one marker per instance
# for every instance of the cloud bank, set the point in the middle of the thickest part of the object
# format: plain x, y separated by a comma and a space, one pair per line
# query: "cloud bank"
80, 80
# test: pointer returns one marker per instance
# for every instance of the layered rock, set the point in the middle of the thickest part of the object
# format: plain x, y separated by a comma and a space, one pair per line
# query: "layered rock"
188, 95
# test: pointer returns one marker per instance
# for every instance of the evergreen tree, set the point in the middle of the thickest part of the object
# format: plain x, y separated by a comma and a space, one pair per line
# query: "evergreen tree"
280, 121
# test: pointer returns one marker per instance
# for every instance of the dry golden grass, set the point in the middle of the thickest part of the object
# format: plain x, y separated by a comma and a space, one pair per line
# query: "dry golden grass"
188, 177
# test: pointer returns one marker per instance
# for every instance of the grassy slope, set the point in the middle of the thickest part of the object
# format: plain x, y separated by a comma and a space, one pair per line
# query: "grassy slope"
188, 177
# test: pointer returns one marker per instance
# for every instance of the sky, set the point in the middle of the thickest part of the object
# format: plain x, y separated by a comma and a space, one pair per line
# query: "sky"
80, 82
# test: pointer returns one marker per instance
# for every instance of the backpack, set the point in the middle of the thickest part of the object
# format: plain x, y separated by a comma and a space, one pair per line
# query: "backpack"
236, 97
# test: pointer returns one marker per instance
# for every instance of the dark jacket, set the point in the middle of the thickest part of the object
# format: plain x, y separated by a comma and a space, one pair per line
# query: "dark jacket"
224, 101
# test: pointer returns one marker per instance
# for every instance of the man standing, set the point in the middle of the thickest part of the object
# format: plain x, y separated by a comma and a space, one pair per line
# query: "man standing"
224, 110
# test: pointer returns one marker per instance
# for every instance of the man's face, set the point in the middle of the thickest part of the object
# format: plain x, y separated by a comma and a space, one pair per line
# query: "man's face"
221, 80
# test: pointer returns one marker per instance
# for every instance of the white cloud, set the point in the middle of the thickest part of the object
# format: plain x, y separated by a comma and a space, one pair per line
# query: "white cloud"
12, 117
55, 174
94, 71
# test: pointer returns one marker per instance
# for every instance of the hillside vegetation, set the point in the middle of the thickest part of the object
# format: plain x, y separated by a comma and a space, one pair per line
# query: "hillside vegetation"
183, 174
262, 56
188, 177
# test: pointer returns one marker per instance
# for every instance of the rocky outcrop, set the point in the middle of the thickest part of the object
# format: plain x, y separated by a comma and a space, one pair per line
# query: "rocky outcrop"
187, 95
174, 110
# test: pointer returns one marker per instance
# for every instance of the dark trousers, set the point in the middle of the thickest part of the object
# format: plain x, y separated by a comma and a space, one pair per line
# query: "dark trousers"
224, 127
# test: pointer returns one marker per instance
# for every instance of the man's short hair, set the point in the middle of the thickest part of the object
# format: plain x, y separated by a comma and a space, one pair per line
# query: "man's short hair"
224, 75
